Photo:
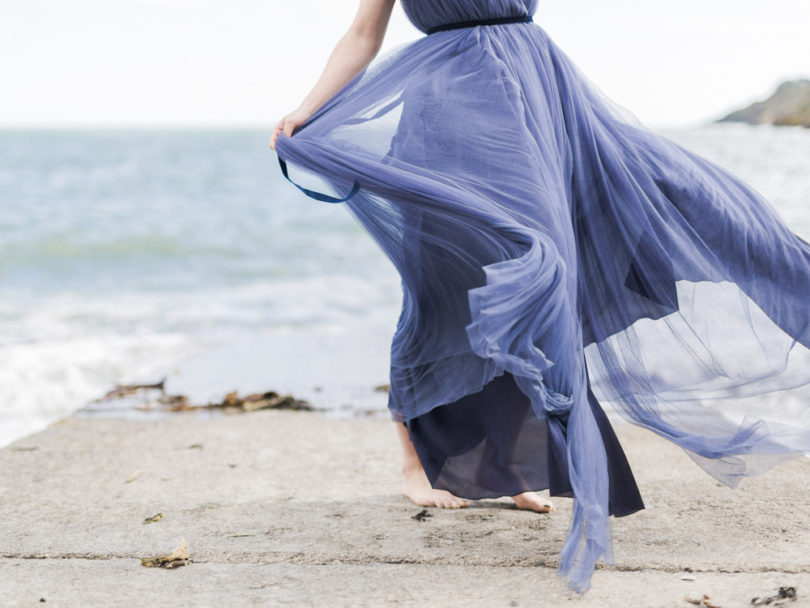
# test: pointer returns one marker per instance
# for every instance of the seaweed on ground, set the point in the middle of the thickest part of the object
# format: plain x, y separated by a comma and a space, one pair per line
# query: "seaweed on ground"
232, 402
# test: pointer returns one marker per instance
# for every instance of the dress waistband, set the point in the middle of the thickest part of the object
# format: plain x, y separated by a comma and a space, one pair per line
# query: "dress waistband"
474, 22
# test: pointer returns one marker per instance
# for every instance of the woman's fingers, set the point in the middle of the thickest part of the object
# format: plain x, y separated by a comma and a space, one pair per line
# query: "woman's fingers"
275, 135
287, 126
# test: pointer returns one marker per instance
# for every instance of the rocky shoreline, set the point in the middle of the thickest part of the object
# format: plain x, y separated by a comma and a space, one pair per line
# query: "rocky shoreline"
789, 105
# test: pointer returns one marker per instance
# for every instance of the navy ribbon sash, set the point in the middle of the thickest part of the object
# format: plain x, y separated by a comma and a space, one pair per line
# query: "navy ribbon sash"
474, 22
318, 195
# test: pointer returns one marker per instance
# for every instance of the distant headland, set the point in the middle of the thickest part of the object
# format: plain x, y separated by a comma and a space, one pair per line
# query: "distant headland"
789, 105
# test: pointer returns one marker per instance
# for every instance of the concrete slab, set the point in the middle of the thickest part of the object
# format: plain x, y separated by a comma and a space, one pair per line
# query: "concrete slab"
284, 507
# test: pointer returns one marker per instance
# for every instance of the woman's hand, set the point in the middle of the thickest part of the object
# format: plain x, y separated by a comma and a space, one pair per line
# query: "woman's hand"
288, 124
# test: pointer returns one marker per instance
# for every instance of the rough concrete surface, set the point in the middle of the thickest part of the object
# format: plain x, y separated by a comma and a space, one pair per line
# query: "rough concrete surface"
297, 508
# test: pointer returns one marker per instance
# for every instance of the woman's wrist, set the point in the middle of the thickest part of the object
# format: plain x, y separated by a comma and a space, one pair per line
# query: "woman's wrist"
309, 108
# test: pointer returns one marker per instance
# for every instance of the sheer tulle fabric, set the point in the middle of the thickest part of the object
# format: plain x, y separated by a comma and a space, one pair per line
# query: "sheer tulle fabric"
543, 233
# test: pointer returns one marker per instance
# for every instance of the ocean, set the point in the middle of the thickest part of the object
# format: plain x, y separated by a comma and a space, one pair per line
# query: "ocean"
129, 256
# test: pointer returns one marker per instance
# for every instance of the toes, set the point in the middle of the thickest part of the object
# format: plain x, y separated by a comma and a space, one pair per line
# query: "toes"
447, 500
434, 498
534, 502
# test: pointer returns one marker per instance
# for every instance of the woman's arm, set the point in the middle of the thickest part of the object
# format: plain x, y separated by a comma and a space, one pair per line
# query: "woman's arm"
353, 52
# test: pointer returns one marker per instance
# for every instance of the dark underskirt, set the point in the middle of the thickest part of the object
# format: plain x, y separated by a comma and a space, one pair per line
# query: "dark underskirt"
490, 444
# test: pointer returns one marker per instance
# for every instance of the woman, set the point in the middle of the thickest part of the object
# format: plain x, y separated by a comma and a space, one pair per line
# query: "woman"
550, 244
352, 54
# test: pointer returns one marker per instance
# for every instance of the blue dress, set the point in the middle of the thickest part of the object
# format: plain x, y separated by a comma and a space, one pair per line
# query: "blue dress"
556, 254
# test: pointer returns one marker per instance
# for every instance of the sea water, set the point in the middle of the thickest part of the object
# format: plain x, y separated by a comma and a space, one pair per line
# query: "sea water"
136, 255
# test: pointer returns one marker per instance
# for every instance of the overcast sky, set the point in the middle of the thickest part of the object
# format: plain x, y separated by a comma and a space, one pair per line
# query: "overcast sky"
248, 62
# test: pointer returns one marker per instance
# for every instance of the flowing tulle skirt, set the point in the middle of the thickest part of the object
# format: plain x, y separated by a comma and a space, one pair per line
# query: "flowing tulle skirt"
555, 253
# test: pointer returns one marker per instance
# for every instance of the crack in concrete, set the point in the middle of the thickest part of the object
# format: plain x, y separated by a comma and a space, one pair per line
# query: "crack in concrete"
56, 556
324, 560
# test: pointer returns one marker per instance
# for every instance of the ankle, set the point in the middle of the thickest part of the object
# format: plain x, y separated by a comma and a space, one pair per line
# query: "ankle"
411, 466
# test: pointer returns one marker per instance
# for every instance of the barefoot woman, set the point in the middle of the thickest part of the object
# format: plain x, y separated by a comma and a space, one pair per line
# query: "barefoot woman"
353, 52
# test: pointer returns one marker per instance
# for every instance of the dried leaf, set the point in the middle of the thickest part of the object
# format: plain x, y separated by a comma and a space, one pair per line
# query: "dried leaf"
178, 557
153, 519
784, 593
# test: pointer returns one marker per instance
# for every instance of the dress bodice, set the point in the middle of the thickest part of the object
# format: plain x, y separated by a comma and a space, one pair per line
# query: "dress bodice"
425, 14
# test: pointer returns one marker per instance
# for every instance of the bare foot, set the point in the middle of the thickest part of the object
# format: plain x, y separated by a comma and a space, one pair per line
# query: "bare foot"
533, 501
415, 486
